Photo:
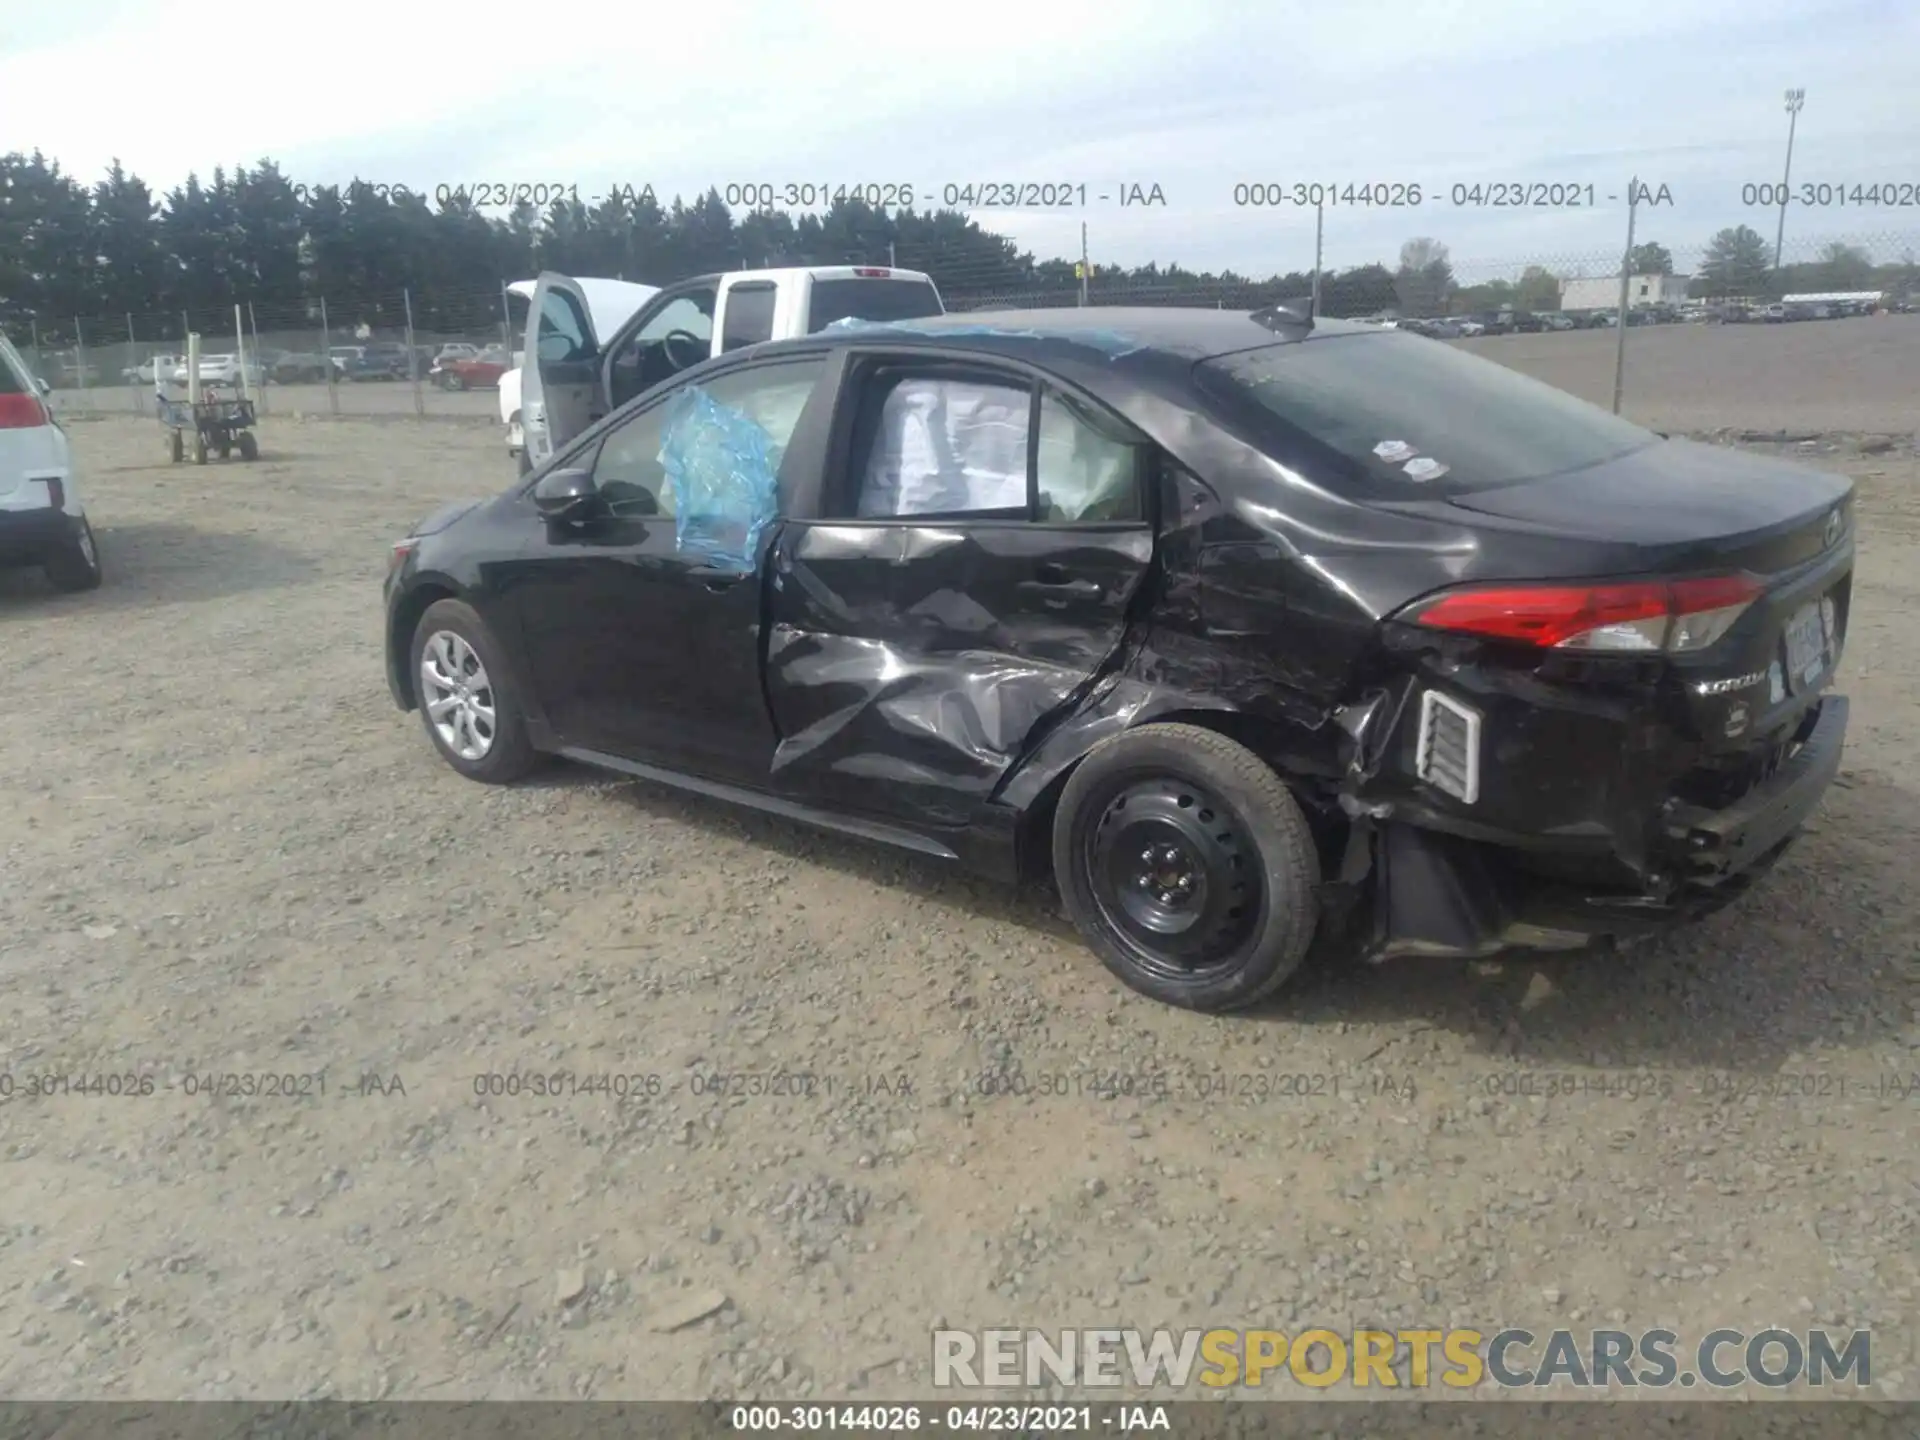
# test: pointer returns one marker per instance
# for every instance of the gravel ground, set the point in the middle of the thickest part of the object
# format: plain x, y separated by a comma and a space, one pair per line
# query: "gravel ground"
225, 853
1855, 374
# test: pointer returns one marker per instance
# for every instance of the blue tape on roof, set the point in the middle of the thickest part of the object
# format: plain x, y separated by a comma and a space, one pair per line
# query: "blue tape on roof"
1110, 343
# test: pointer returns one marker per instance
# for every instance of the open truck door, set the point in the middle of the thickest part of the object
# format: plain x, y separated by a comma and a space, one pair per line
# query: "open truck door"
559, 368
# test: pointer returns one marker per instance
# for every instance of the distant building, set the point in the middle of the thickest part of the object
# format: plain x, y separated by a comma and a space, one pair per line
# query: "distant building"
1604, 293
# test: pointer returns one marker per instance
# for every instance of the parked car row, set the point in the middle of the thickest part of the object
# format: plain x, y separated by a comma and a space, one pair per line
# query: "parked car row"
1509, 322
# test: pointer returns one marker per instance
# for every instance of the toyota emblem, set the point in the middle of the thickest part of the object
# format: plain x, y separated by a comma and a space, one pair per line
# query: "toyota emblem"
1832, 532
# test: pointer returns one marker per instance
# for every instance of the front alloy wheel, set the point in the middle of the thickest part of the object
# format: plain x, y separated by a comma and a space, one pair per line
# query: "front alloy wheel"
458, 696
466, 696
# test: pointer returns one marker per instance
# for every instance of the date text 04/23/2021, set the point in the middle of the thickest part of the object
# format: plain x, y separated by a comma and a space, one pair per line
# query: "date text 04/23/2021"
915, 1416
1460, 195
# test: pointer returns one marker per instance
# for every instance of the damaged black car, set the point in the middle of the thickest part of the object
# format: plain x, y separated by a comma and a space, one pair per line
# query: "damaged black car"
1245, 629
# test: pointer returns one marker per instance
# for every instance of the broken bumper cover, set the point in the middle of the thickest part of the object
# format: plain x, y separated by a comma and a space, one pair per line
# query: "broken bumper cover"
1720, 844
1444, 895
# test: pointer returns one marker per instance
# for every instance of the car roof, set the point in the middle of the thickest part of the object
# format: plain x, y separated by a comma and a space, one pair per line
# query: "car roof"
1178, 332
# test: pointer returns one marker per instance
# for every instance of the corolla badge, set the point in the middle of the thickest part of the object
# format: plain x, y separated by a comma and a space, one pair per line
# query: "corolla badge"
1729, 685
1832, 532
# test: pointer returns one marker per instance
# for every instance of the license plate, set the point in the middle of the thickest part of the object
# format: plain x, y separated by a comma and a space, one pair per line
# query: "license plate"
1807, 645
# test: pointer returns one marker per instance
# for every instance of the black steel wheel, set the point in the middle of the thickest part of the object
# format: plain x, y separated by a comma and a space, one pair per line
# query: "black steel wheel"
1187, 866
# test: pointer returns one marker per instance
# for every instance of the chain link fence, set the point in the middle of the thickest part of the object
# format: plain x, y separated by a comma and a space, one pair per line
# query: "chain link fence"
377, 356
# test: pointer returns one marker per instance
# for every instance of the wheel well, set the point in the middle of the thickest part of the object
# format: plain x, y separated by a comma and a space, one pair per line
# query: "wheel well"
1036, 837
406, 617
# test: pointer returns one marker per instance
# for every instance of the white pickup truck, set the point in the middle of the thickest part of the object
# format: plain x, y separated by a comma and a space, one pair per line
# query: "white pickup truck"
568, 377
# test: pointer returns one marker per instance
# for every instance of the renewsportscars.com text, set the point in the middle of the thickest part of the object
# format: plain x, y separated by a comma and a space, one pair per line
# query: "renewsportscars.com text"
1458, 1358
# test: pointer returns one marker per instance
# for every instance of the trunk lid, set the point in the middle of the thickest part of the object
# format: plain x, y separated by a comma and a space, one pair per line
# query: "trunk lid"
1681, 508
1686, 505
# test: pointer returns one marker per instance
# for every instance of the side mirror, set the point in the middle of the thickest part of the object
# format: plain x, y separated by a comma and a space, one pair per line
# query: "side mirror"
46, 387
565, 494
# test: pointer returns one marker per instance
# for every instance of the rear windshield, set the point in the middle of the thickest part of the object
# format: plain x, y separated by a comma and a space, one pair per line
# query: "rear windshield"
1392, 408
871, 300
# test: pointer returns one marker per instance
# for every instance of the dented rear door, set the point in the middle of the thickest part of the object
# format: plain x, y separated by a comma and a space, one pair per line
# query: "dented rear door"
914, 657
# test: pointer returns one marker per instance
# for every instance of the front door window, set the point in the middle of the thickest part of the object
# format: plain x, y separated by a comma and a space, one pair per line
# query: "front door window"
676, 337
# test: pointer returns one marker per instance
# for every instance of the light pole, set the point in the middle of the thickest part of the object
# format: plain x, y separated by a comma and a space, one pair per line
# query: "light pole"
1795, 99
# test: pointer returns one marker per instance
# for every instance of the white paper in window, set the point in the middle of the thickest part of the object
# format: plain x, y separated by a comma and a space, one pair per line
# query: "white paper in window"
947, 446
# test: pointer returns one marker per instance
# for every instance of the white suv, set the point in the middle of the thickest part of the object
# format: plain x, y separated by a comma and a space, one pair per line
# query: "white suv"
41, 519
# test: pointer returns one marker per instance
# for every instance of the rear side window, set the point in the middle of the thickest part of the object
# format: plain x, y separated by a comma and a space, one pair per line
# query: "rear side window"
948, 447
961, 446
1389, 408
748, 316
871, 300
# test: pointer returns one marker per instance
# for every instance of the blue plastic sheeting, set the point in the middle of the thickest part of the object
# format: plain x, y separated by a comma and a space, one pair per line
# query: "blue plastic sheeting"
1109, 342
724, 472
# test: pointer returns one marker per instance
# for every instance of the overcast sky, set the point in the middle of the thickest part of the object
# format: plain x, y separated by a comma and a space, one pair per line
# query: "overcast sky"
1192, 97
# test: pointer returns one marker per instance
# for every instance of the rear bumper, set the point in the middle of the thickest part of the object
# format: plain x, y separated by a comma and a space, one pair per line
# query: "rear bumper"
1719, 844
1443, 894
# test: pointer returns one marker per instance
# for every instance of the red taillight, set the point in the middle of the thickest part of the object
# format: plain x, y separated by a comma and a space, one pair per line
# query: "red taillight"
21, 412
870, 273
1634, 616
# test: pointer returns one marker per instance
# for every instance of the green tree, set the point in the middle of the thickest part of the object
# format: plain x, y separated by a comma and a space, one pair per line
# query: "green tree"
1736, 263
1425, 277
132, 273
1846, 267
1539, 289
1650, 258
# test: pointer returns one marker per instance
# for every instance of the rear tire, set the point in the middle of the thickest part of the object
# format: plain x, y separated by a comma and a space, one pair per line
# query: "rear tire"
1188, 867
494, 750
249, 447
199, 449
76, 565
176, 446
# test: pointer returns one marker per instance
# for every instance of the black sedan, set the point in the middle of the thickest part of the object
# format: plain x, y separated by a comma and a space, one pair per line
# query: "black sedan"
1245, 629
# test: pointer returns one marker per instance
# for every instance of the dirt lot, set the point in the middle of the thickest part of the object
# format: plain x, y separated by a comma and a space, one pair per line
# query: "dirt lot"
225, 853
1855, 374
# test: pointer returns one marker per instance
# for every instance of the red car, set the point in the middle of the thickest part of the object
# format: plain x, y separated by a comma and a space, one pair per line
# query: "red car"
475, 372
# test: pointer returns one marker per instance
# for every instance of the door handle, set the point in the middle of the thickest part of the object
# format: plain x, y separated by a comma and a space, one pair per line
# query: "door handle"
1062, 589
718, 580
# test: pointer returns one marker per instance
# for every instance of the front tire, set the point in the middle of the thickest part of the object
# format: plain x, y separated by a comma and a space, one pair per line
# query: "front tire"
1188, 867
468, 702
76, 565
